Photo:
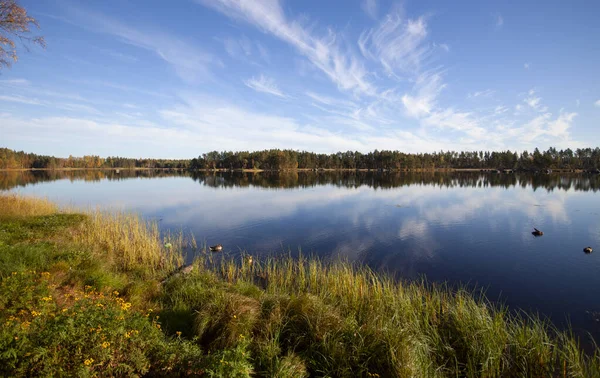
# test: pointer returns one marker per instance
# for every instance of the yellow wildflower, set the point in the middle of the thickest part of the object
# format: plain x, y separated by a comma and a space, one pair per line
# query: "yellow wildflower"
116, 293
47, 299
105, 344
88, 362
178, 333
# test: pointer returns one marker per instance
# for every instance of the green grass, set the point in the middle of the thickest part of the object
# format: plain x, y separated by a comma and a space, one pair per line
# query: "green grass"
93, 294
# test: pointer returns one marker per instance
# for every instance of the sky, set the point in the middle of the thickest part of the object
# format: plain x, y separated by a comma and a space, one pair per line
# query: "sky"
180, 78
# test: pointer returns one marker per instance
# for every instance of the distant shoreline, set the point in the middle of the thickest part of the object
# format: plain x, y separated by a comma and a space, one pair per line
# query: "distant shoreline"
484, 170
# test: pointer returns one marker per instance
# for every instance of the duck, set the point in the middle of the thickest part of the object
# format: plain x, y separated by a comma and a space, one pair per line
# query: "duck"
587, 250
537, 232
216, 248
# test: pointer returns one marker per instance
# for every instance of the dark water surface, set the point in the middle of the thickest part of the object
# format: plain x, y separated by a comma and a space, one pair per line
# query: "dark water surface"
469, 228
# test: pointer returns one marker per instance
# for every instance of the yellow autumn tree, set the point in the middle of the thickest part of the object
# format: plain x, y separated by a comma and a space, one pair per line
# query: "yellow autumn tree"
15, 26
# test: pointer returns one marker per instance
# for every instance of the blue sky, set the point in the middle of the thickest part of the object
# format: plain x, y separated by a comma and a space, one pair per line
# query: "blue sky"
176, 79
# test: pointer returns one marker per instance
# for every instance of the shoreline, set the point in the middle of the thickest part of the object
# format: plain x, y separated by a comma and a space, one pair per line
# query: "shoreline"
432, 170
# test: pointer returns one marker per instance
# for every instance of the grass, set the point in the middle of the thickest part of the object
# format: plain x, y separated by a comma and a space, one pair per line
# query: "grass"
95, 294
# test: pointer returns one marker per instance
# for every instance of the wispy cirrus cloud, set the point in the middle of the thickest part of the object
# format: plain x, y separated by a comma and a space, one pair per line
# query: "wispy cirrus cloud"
398, 44
265, 85
20, 99
499, 20
15, 82
189, 61
370, 7
69, 106
423, 99
324, 52
484, 93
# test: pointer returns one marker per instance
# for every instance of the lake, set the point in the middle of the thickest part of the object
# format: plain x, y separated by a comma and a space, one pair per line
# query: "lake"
462, 228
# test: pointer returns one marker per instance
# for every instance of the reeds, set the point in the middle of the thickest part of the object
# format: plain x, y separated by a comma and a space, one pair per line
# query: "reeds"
14, 205
340, 319
131, 243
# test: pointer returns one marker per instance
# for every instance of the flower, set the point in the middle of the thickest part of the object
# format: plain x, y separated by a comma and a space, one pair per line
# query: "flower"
105, 344
88, 362
47, 299
178, 333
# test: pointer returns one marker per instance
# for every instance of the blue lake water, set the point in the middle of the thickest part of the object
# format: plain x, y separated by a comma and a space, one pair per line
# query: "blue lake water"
461, 228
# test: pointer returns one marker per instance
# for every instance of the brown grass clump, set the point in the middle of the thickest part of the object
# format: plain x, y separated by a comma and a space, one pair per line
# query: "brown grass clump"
19, 206
131, 243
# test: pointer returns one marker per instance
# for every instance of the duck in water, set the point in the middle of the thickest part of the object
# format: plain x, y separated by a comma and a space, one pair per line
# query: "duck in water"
587, 250
216, 248
537, 232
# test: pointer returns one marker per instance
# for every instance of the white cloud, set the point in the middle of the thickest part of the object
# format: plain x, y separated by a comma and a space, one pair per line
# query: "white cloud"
499, 20
500, 109
324, 52
526, 66
370, 8
28, 100
425, 92
443, 46
559, 128
398, 44
15, 82
21, 99
188, 61
597, 104
533, 102
265, 85
484, 93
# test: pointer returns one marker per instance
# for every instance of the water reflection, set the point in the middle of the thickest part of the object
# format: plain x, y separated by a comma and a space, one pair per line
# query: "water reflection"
308, 179
465, 227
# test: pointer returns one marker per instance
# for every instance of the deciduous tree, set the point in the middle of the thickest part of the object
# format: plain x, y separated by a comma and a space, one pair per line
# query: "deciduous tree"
15, 26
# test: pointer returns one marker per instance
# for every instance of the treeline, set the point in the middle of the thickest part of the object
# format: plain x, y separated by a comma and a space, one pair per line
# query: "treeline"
10, 159
581, 158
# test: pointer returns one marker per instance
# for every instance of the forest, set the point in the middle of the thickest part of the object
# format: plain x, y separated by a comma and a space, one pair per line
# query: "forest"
275, 159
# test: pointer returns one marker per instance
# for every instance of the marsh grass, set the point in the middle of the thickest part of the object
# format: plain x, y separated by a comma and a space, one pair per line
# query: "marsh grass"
271, 317
19, 206
340, 319
131, 243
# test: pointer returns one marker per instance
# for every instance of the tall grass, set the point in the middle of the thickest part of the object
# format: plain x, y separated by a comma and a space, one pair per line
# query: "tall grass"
131, 243
338, 319
14, 205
